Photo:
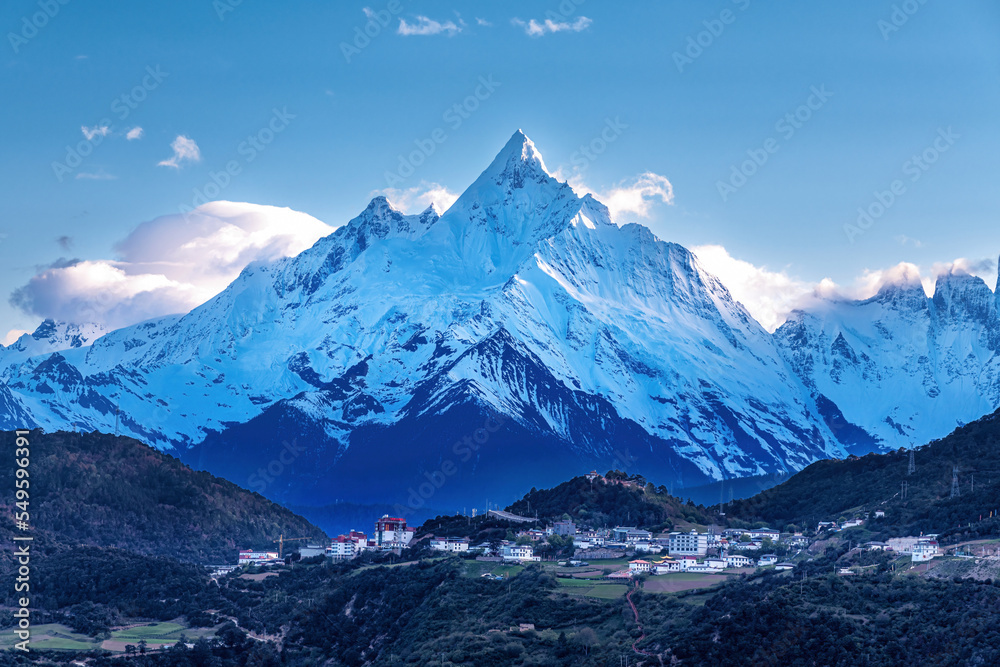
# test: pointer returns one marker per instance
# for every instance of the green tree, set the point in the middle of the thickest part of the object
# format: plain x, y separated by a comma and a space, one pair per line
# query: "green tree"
587, 638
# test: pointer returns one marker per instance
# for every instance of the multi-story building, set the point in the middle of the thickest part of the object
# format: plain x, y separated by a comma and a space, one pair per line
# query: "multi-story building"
762, 533
924, 547
630, 534
346, 547
450, 544
519, 552
640, 566
738, 561
924, 550
693, 543
392, 532
564, 528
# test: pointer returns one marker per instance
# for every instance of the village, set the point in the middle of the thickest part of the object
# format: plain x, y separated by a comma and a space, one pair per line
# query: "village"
711, 550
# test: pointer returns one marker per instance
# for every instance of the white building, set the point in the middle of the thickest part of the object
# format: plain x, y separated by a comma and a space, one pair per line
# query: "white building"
926, 545
924, 550
631, 534
450, 544
798, 540
521, 552
738, 561
392, 532
688, 562
715, 563
762, 533
640, 566
688, 543
666, 566
767, 559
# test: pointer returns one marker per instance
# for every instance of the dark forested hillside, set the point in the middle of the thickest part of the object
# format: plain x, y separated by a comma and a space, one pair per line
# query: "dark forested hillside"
101, 490
828, 489
616, 499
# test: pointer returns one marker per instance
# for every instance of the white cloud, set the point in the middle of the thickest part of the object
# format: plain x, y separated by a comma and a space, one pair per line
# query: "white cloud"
184, 148
13, 335
168, 265
419, 197
770, 296
534, 28
427, 26
89, 133
134, 133
483, 22
635, 196
99, 175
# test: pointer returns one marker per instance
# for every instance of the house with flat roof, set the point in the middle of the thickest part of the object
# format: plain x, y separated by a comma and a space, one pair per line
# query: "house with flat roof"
688, 543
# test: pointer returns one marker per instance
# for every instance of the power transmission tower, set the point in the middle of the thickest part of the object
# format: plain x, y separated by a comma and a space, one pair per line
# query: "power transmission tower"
955, 493
912, 468
903, 488
117, 411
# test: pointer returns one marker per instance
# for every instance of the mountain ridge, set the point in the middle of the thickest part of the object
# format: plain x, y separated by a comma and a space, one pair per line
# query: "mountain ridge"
600, 343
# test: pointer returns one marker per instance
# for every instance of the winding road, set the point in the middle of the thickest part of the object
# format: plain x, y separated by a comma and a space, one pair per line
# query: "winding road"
636, 613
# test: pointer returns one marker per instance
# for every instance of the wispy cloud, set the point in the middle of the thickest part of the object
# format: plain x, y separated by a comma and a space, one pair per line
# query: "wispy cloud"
134, 133
636, 196
770, 296
97, 131
185, 149
483, 22
535, 28
427, 26
767, 295
419, 197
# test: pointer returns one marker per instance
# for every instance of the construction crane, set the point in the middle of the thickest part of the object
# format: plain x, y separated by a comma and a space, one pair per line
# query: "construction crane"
281, 543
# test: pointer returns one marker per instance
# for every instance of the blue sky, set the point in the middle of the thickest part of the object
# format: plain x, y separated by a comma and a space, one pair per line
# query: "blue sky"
226, 70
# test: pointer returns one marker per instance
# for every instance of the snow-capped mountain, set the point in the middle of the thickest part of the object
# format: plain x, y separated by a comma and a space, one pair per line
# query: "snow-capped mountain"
901, 366
516, 338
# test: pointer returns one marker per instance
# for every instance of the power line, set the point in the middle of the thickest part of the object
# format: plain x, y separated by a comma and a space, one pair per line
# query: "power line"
912, 468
